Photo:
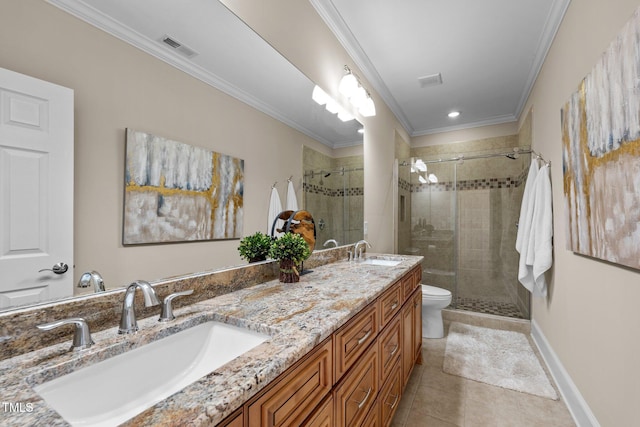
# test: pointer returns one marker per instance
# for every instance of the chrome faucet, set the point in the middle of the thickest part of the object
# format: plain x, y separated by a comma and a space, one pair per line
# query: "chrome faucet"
128, 323
82, 335
358, 254
89, 278
331, 241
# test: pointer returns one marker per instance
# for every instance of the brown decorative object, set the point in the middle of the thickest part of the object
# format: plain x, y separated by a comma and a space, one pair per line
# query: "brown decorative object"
298, 222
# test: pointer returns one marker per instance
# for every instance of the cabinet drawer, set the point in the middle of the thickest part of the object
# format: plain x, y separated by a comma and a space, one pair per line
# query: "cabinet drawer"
408, 284
390, 303
323, 416
294, 398
352, 339
390, 395
373, 419
389, 347
356, 394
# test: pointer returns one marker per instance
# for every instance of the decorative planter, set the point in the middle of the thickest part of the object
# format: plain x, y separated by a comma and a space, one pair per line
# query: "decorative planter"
289, 271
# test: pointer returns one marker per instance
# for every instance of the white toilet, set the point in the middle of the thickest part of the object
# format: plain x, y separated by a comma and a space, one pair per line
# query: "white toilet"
434, 299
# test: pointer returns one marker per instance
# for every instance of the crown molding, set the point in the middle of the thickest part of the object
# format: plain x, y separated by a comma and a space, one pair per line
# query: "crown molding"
497, 120
551, 26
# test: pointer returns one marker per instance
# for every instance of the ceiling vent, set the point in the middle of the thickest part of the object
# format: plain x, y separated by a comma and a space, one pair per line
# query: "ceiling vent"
177, 46
431, 80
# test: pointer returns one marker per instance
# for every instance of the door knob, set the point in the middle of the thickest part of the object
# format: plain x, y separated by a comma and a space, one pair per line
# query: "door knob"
59, 268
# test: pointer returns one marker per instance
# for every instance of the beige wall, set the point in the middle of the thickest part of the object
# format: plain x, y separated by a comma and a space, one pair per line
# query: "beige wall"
591, 318
118, 86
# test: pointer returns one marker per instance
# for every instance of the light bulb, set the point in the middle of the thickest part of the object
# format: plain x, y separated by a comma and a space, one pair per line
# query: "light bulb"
348, 85
319, 95
368, 109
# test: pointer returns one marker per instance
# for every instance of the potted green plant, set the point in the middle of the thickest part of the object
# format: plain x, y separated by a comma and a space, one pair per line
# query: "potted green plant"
255, 248
290, 249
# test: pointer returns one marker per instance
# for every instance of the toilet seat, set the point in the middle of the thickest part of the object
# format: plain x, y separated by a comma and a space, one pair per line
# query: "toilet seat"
433, 292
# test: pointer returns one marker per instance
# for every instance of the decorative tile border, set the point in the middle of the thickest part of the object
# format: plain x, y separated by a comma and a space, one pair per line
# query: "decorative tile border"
471, 184
332, 192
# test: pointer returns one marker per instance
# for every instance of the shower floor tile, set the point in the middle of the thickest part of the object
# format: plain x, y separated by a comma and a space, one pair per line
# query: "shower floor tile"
505, 309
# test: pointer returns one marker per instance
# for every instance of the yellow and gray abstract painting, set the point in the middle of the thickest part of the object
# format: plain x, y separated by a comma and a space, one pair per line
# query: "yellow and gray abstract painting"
175, 192
601, 154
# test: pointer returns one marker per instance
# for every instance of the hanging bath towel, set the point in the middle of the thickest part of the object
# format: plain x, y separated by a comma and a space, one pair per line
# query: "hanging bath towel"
523, 225
524, 242
292, 201
275, 207
543, 227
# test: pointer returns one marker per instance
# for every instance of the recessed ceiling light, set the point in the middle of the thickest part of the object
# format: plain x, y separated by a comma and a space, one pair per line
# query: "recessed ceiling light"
454, 114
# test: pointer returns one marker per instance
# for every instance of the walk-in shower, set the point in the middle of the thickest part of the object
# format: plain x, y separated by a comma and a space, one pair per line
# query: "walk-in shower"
335, 198
460, 212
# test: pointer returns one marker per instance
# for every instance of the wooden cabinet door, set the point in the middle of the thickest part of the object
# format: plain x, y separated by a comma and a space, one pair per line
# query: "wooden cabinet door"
323, 416
291, 400
389, 347
407, 341
417, 325
356, 394
234, 420
351, 340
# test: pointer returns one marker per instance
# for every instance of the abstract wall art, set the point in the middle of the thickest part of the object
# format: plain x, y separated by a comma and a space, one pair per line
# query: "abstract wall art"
601, 154
175, 192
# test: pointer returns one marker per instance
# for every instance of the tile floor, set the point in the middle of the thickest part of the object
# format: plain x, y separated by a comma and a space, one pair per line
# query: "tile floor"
435, 399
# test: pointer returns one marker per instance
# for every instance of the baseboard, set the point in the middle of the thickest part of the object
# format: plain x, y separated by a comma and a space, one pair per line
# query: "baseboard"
576, 404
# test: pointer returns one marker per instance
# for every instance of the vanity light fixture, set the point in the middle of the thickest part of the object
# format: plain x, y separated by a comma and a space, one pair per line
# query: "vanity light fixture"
332, 106
453, 114
357, 95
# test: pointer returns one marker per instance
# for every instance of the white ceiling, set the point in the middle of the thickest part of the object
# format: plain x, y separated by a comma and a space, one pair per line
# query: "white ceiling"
488, 52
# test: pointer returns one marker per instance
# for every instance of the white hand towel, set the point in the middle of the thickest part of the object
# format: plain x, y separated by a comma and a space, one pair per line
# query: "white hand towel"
525, 224
527, 201
543, 236
275, 207
292, 201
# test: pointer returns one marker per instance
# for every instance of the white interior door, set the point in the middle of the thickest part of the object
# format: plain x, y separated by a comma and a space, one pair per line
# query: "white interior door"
36, 190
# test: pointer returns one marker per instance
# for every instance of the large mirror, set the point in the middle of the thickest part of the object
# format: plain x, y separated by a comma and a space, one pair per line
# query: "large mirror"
233, 58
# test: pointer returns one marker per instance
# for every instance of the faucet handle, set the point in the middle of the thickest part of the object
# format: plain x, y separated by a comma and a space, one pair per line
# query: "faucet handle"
82, 335
167, 309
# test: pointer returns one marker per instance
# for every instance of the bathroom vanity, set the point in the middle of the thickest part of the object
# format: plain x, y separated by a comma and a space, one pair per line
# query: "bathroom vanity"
340, 348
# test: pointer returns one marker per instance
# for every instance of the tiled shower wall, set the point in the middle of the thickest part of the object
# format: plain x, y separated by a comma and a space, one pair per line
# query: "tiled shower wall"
336, 200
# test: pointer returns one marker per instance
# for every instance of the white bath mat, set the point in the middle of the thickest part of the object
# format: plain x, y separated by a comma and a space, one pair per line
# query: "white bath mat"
501, 358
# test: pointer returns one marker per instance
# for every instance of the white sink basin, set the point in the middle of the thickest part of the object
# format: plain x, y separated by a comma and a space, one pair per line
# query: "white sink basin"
380, 261
114, 390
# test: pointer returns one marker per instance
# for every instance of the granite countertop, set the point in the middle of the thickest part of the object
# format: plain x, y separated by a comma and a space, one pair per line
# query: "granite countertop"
297, 316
